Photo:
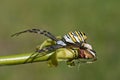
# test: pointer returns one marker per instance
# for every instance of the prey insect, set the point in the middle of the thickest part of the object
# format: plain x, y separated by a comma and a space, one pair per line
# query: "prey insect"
75, 41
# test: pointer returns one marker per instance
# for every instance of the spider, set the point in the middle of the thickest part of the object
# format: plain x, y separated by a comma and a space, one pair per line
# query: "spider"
73, 40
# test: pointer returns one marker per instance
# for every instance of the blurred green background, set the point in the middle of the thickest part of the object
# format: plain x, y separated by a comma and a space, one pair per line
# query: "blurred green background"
99, 19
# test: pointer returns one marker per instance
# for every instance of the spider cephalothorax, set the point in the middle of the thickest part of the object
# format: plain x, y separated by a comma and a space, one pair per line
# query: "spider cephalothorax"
72, 40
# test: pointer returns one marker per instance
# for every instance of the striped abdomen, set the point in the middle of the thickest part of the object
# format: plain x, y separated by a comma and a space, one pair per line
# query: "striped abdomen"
75, 37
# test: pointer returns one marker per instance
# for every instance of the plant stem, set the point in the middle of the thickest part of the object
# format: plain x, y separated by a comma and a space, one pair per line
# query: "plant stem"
20, 59
61, 55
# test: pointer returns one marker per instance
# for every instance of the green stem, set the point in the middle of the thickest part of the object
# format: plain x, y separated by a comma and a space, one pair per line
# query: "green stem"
62, 54
20, 59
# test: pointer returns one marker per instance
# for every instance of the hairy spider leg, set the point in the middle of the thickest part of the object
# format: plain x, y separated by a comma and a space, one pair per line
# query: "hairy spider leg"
45, 49
38, 31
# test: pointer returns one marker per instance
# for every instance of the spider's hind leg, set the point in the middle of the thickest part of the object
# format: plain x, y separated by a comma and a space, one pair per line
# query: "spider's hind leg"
38, 31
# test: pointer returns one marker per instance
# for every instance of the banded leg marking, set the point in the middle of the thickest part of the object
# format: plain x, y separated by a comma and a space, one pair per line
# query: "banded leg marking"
38, 31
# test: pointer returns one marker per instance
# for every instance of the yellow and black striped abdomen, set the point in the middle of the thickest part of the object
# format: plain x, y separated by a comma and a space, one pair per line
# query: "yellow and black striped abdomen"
73, 37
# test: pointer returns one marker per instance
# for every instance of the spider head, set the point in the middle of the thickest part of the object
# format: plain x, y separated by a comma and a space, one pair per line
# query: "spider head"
86, 53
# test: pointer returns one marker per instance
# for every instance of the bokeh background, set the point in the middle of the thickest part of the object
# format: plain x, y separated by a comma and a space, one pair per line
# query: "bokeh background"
99, 19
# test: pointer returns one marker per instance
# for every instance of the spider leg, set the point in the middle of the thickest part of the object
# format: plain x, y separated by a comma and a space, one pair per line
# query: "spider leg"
38, 31
45, 49
50, 48
33, 56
